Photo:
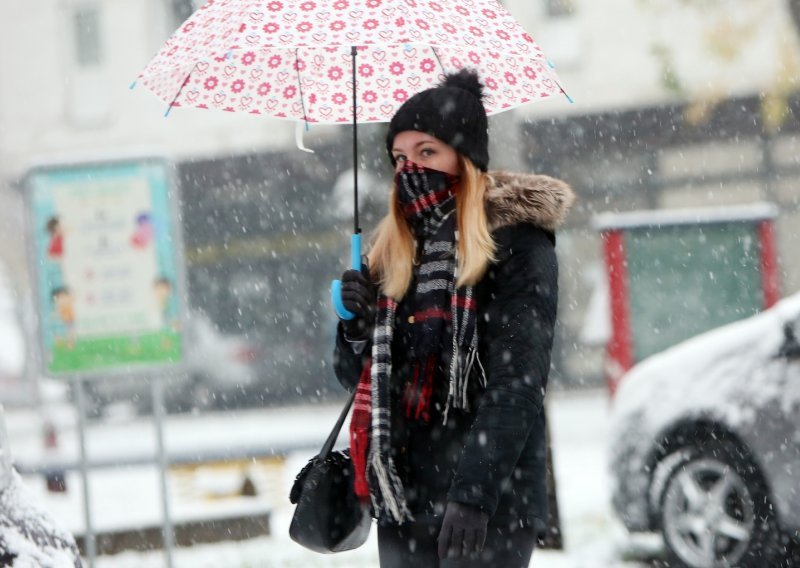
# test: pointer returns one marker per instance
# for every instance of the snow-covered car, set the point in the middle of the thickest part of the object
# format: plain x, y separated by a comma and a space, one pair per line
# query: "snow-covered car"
219, 368
28, 535
705, 443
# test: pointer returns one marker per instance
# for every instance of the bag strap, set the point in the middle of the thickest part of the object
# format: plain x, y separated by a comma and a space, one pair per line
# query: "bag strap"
334, 435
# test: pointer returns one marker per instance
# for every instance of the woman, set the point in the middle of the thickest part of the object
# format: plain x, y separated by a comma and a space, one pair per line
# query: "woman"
450, 346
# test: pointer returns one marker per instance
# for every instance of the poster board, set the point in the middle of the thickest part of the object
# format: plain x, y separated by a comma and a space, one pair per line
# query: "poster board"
107, 265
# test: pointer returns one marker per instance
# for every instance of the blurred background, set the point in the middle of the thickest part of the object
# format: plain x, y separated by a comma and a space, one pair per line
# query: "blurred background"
678, 105
685, 104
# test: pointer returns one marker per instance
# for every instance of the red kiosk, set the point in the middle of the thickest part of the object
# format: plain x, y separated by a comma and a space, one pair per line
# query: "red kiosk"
673, 274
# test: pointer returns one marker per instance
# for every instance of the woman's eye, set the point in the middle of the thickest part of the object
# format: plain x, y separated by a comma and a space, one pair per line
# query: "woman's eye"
399, 158
427, 152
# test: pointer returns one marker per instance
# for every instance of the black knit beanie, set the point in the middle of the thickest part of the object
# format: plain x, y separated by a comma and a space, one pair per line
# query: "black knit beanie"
452, 112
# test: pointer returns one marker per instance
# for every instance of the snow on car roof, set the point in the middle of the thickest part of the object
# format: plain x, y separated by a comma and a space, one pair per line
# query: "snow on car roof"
704, 372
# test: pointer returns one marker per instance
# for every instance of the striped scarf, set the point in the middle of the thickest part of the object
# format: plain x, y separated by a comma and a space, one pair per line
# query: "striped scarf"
427, 198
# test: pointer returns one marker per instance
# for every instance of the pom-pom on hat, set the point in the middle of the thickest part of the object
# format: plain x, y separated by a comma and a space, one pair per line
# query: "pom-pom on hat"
453, 112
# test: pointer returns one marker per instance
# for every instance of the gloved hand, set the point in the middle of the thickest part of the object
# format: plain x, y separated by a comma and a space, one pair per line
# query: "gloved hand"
463, 531
358, 296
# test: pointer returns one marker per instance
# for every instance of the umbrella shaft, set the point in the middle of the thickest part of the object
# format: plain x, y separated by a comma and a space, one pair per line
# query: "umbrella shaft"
356, 228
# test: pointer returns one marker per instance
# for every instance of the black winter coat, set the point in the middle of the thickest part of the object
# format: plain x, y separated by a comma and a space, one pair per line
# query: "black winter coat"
493, 457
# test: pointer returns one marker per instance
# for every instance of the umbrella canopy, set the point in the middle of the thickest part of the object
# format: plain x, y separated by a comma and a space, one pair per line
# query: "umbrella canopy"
340, 61
295, 59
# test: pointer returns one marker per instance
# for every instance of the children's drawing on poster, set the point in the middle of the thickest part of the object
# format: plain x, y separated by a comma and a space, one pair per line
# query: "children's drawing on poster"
55, 246
64, 324
143, 232
107, 271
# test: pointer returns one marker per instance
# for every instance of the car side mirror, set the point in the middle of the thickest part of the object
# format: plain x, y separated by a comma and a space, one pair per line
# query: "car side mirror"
790, 349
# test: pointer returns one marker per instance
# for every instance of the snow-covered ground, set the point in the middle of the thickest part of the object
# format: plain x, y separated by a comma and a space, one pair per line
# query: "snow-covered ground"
129, 496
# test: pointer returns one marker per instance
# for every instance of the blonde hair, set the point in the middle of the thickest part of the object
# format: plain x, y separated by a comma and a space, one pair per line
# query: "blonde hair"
391, 256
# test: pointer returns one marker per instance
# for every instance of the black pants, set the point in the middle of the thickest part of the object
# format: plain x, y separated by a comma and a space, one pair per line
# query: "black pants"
414, 545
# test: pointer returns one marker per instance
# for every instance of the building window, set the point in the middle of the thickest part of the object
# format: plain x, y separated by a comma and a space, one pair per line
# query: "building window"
88, 48
561, 37
558, 8
88, 93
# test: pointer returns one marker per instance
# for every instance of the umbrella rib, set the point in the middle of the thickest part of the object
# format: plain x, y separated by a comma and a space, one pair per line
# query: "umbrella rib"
300, 86
548, 70
180, 90
436, 54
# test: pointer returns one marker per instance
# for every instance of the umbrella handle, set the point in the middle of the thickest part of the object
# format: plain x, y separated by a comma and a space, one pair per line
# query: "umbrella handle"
336, 285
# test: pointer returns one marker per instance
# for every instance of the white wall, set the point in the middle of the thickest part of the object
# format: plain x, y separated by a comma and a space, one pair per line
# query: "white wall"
605, 48
604, 57
615, 38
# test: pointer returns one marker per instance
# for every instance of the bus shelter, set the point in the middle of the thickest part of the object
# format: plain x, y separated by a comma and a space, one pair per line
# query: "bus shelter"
673, 274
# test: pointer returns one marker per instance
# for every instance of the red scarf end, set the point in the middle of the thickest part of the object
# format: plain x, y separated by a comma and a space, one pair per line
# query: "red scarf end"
359, 435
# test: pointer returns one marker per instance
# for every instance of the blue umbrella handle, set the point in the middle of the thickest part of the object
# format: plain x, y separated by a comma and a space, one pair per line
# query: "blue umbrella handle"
336, 285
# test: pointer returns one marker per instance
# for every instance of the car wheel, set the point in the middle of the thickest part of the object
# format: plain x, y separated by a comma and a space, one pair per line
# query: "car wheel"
715, 511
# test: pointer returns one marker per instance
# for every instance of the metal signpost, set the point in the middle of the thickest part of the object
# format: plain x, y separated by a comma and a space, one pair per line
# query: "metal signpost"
105, 244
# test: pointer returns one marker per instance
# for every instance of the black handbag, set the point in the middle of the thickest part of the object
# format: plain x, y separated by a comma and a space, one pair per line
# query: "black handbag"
328, 516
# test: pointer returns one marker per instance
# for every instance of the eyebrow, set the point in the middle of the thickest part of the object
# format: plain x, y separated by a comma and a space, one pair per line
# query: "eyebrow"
415, 145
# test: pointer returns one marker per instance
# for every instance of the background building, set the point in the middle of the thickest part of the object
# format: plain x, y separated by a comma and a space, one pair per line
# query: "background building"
676, 105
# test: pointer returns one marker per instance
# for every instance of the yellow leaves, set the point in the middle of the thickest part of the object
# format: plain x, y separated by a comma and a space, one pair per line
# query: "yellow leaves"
699, 110
727, 49
727, 38
775, 102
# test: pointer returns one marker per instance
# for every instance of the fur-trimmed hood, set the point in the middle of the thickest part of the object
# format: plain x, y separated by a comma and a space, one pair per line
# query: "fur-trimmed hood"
513, 198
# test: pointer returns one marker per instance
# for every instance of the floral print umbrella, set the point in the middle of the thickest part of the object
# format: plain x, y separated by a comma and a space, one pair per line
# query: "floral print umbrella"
339, 61
297, 59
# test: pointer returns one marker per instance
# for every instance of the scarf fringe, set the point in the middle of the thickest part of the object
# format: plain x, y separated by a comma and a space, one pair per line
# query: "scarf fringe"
390, 487
461, 364
461, 369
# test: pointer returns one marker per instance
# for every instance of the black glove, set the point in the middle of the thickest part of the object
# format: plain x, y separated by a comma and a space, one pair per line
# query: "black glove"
463, 531
359, 297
